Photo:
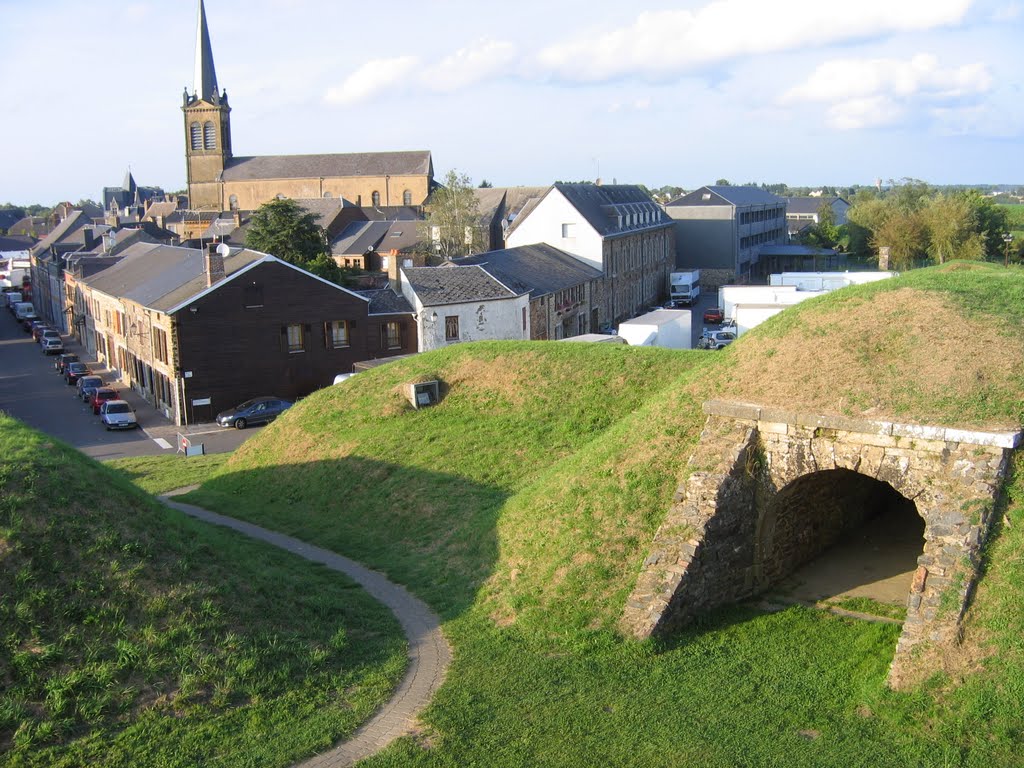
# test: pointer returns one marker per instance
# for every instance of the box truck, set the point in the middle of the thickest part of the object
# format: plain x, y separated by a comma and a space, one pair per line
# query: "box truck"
684, 287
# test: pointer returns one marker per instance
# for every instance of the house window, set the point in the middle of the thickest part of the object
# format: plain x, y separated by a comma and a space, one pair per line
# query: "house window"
210, 136
196, 136
407, 197
233, 202
391, 335
451, 328
375, 198
337, 334
568, 230
252, 296
296, 338
160, 345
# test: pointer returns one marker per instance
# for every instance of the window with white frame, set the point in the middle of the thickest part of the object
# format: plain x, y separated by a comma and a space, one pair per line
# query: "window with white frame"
569, 230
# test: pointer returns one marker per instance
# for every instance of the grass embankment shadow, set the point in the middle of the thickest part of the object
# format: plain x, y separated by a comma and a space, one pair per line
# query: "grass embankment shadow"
134, 635
436, 533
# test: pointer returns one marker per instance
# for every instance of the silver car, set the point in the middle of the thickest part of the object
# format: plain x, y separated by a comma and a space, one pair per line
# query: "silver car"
117, 414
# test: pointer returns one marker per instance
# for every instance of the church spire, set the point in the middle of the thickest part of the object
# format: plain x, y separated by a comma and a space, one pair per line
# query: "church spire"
204, 84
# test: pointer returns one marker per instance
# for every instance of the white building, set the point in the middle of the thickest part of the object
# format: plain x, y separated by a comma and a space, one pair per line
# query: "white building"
617, 229
465, 303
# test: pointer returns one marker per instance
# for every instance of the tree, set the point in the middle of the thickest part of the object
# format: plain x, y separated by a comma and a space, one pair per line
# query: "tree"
952, 229
282, 229
485, 184
824, 234
723, 183
453, 224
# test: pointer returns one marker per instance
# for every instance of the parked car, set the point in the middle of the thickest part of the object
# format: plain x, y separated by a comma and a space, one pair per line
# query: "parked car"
36, 328
74, 372
48, 333
714, 315
117, 414
63, 360
259, 410
716, 339
52, 346
87, 387
101, 395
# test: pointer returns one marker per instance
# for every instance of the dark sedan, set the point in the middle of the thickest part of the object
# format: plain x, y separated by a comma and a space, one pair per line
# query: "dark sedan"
259, 410
74, 371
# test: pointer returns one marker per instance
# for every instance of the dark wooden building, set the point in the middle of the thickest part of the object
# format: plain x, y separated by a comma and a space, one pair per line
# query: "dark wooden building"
199, 332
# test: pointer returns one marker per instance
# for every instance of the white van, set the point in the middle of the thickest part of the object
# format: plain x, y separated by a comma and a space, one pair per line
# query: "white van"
12, 298
24, 310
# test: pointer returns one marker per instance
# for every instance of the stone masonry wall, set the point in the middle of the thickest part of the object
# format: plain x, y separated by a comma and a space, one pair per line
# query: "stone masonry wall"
720, 542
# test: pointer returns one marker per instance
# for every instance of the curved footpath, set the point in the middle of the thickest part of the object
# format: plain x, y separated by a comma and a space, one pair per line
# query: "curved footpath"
429, 652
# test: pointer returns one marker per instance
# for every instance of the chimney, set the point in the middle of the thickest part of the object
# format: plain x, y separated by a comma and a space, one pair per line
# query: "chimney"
238, 218
394, 279
213, 265
160, 222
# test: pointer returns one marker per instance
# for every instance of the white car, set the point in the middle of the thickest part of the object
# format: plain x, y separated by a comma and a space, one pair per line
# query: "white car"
117, 414
52, 346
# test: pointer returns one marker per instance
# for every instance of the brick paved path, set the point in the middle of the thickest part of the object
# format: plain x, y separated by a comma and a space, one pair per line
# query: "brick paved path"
429, 652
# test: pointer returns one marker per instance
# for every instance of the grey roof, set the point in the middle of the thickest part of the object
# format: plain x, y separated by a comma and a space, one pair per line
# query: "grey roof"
386, 302
808, 204
454, 285
16, 242
161, 277
360, 237
537, 269
74, 221
602, 205
391, 213
416, 163
728, 195
204, 82
165, 209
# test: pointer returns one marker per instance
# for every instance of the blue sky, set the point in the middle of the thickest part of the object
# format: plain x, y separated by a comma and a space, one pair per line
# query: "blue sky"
807, 92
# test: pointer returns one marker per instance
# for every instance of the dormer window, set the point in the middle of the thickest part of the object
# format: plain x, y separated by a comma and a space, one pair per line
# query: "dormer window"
706, 196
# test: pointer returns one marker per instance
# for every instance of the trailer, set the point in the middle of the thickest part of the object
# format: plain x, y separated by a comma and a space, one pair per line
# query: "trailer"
668, 328
825, 281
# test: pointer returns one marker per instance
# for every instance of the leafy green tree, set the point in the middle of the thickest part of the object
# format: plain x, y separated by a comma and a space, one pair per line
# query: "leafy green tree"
282, 229
951, 224
723, 183
453, 227
485, 184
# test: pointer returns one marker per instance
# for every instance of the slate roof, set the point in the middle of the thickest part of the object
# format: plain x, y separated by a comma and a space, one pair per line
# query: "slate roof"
602, 205
76, 220
738, 196
454, 285
161, 277
539, 269
416, 163
37, 224
360, 237
391, 213
16, 243
164, 209
386, 302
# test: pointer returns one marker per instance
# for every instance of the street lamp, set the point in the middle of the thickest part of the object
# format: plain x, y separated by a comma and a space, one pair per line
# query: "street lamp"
1007, 238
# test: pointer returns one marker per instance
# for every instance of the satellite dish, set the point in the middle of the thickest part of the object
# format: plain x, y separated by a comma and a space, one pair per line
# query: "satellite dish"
224, 250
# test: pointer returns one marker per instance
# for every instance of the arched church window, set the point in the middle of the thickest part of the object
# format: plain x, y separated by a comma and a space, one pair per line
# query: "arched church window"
233, 202
196, 134
407, 197
375, 198
210, 135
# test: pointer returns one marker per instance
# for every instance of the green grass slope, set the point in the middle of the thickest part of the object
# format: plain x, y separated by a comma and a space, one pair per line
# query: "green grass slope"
522, 505
130, 635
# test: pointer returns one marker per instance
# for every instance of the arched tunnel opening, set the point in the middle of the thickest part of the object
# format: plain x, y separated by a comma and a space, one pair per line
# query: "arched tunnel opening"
839, 536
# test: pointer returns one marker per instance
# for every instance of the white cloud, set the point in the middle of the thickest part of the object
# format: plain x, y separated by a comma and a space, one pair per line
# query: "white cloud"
372, 78
664, 43
482, 60
1007, 12
870, 92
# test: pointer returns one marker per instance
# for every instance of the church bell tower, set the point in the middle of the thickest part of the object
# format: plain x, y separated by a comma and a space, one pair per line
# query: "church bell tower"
207, 128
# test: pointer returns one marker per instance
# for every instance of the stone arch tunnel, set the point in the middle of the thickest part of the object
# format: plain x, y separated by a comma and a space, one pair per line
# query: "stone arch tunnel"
769, 490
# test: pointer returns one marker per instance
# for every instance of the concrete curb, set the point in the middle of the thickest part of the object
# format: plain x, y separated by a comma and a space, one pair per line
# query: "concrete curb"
429, 652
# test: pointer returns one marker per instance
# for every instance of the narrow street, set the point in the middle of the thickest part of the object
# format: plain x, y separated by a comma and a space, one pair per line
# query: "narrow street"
33, 392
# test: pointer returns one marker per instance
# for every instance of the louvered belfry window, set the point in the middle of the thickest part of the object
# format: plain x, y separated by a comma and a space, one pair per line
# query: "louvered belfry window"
210, 135
196, 133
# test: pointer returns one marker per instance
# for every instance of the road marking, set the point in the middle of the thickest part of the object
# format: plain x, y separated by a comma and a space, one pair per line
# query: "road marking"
162, 443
